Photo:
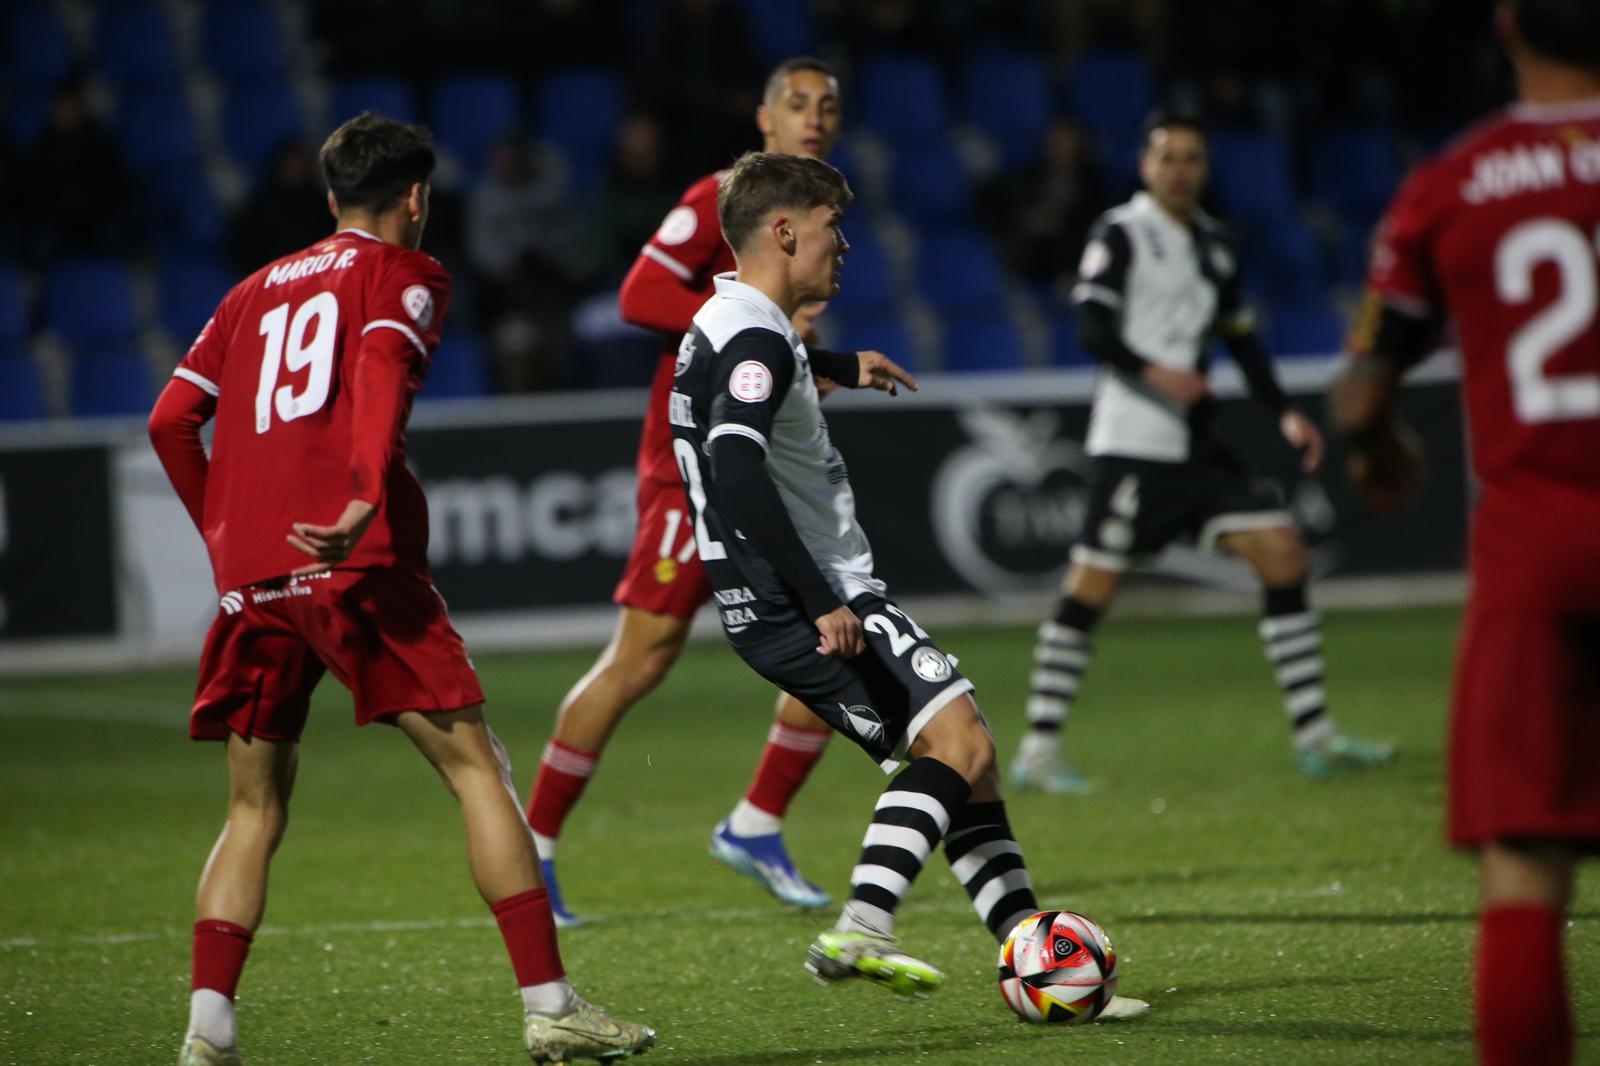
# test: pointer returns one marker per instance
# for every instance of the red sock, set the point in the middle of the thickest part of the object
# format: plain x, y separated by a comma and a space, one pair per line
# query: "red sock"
530, 935
219, 951
1523, 1015
787, 761
564, 772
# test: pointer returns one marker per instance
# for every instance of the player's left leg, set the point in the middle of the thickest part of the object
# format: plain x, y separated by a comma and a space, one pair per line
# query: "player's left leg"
1292, 634
1523, 1010
750, 840
233, 892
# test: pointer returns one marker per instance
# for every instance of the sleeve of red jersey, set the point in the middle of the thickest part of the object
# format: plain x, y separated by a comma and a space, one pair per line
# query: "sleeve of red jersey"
666, 285
397, 343
1401, 269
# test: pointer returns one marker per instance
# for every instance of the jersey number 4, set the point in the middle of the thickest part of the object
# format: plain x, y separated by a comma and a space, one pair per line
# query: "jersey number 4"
288, 348
1555, 397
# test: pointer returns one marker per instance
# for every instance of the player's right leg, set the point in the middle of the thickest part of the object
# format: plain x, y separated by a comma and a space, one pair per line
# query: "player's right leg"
1523, 1009
1059, 660
558, 1024
642, 650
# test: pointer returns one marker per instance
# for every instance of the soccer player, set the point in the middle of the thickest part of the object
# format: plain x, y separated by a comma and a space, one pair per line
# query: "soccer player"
664, 583
1498, 233
318, 541
1158, 282
792, 573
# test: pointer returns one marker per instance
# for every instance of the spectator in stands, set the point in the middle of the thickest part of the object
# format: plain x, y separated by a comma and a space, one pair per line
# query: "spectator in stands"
702, 73
639, 192
75, 185
1040, 212
525, 242
287, 210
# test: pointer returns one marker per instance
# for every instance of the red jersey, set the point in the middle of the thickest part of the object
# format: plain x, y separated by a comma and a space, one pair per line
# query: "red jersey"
1500, 234
280, 357
669, 282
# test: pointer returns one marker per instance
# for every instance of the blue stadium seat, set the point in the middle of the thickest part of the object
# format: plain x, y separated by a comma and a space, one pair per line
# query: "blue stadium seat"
34, 46
903, 97
1305, 329
115, 382
21, 388
257, 117
243, 40
1065, 348
1252, 174
579, 110
1111, 91
930, 183
469, 112
389, 97
88, 300
1291, 263
181, 207
1355, 169
867, 284
191, 287
957, 272
13, 306
156, 128
1006, 94
133, 42
985, 342
781, 28
459, 368
881, 333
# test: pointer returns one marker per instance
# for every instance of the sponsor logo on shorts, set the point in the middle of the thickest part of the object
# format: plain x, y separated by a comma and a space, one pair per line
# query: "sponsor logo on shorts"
232, 602
666, 570
738, 619
867, 723
1116, 535
930, 664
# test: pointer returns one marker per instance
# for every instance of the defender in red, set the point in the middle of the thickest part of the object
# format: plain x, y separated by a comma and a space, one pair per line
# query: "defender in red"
1499, 235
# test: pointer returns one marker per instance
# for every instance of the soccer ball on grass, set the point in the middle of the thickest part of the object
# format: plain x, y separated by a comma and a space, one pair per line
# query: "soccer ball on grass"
1057, 968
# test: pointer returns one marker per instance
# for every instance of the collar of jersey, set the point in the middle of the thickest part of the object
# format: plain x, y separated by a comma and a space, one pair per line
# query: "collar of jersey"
1567, 111
359, 233
1146, 205
730, 289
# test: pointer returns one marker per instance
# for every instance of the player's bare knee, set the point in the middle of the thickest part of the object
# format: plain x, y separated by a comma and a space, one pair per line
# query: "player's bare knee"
1278, 555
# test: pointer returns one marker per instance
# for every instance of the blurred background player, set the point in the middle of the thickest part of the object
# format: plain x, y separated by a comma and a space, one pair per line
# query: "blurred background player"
1158, 282
665, 584
310, 367
790, 565
1498, 234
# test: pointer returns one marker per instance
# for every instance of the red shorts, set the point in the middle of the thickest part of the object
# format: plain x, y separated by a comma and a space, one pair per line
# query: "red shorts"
385, 634
664, 575
1525, 725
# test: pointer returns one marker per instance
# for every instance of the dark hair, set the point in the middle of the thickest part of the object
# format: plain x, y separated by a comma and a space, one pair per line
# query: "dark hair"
1167, 118
1567, 31
762, 182
372, 161
781, 72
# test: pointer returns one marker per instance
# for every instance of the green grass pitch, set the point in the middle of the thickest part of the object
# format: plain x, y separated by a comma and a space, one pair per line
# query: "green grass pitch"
1268, 919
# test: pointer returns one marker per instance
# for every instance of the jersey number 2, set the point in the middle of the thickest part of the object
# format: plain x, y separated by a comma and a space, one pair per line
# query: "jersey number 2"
1540, 397
689, 467
287, 346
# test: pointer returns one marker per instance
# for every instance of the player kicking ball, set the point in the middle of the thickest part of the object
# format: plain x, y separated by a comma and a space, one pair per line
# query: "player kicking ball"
318, 539
791, 570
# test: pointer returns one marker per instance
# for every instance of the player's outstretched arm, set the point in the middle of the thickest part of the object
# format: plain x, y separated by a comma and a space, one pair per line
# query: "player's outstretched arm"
180, 411
862, 370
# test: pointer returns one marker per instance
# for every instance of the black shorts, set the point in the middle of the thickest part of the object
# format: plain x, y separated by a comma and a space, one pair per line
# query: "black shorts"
1139, 506
883, 697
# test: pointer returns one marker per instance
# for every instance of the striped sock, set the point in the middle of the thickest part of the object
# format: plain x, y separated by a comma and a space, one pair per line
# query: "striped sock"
564, 773
785, 763
1059, 660
1292, 633
908, 823
987, 860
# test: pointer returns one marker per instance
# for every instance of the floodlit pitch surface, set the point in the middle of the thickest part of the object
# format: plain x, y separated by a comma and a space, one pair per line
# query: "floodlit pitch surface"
1268, 919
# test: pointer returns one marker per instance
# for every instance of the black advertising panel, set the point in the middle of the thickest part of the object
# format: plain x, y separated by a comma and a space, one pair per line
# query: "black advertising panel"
56, 543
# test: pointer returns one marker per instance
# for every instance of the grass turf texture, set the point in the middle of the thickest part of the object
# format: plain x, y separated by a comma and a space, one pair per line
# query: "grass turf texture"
1268, 918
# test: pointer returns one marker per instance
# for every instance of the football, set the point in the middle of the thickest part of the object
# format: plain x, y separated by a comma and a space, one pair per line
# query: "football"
1057, 968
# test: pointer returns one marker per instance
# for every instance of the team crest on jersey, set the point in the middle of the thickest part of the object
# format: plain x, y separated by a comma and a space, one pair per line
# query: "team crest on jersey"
1096, 258
685, 356
930, 664
867, 723
678, 226
418, 302
231, 602
751, 381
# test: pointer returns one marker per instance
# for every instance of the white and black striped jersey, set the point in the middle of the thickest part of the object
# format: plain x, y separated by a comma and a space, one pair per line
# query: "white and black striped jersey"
742, 370
1174, 286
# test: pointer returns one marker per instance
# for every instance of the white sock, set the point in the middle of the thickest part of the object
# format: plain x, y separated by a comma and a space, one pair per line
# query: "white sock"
858, 917
211, 1017
1038, 746
546, 847
553, 999
748, 820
